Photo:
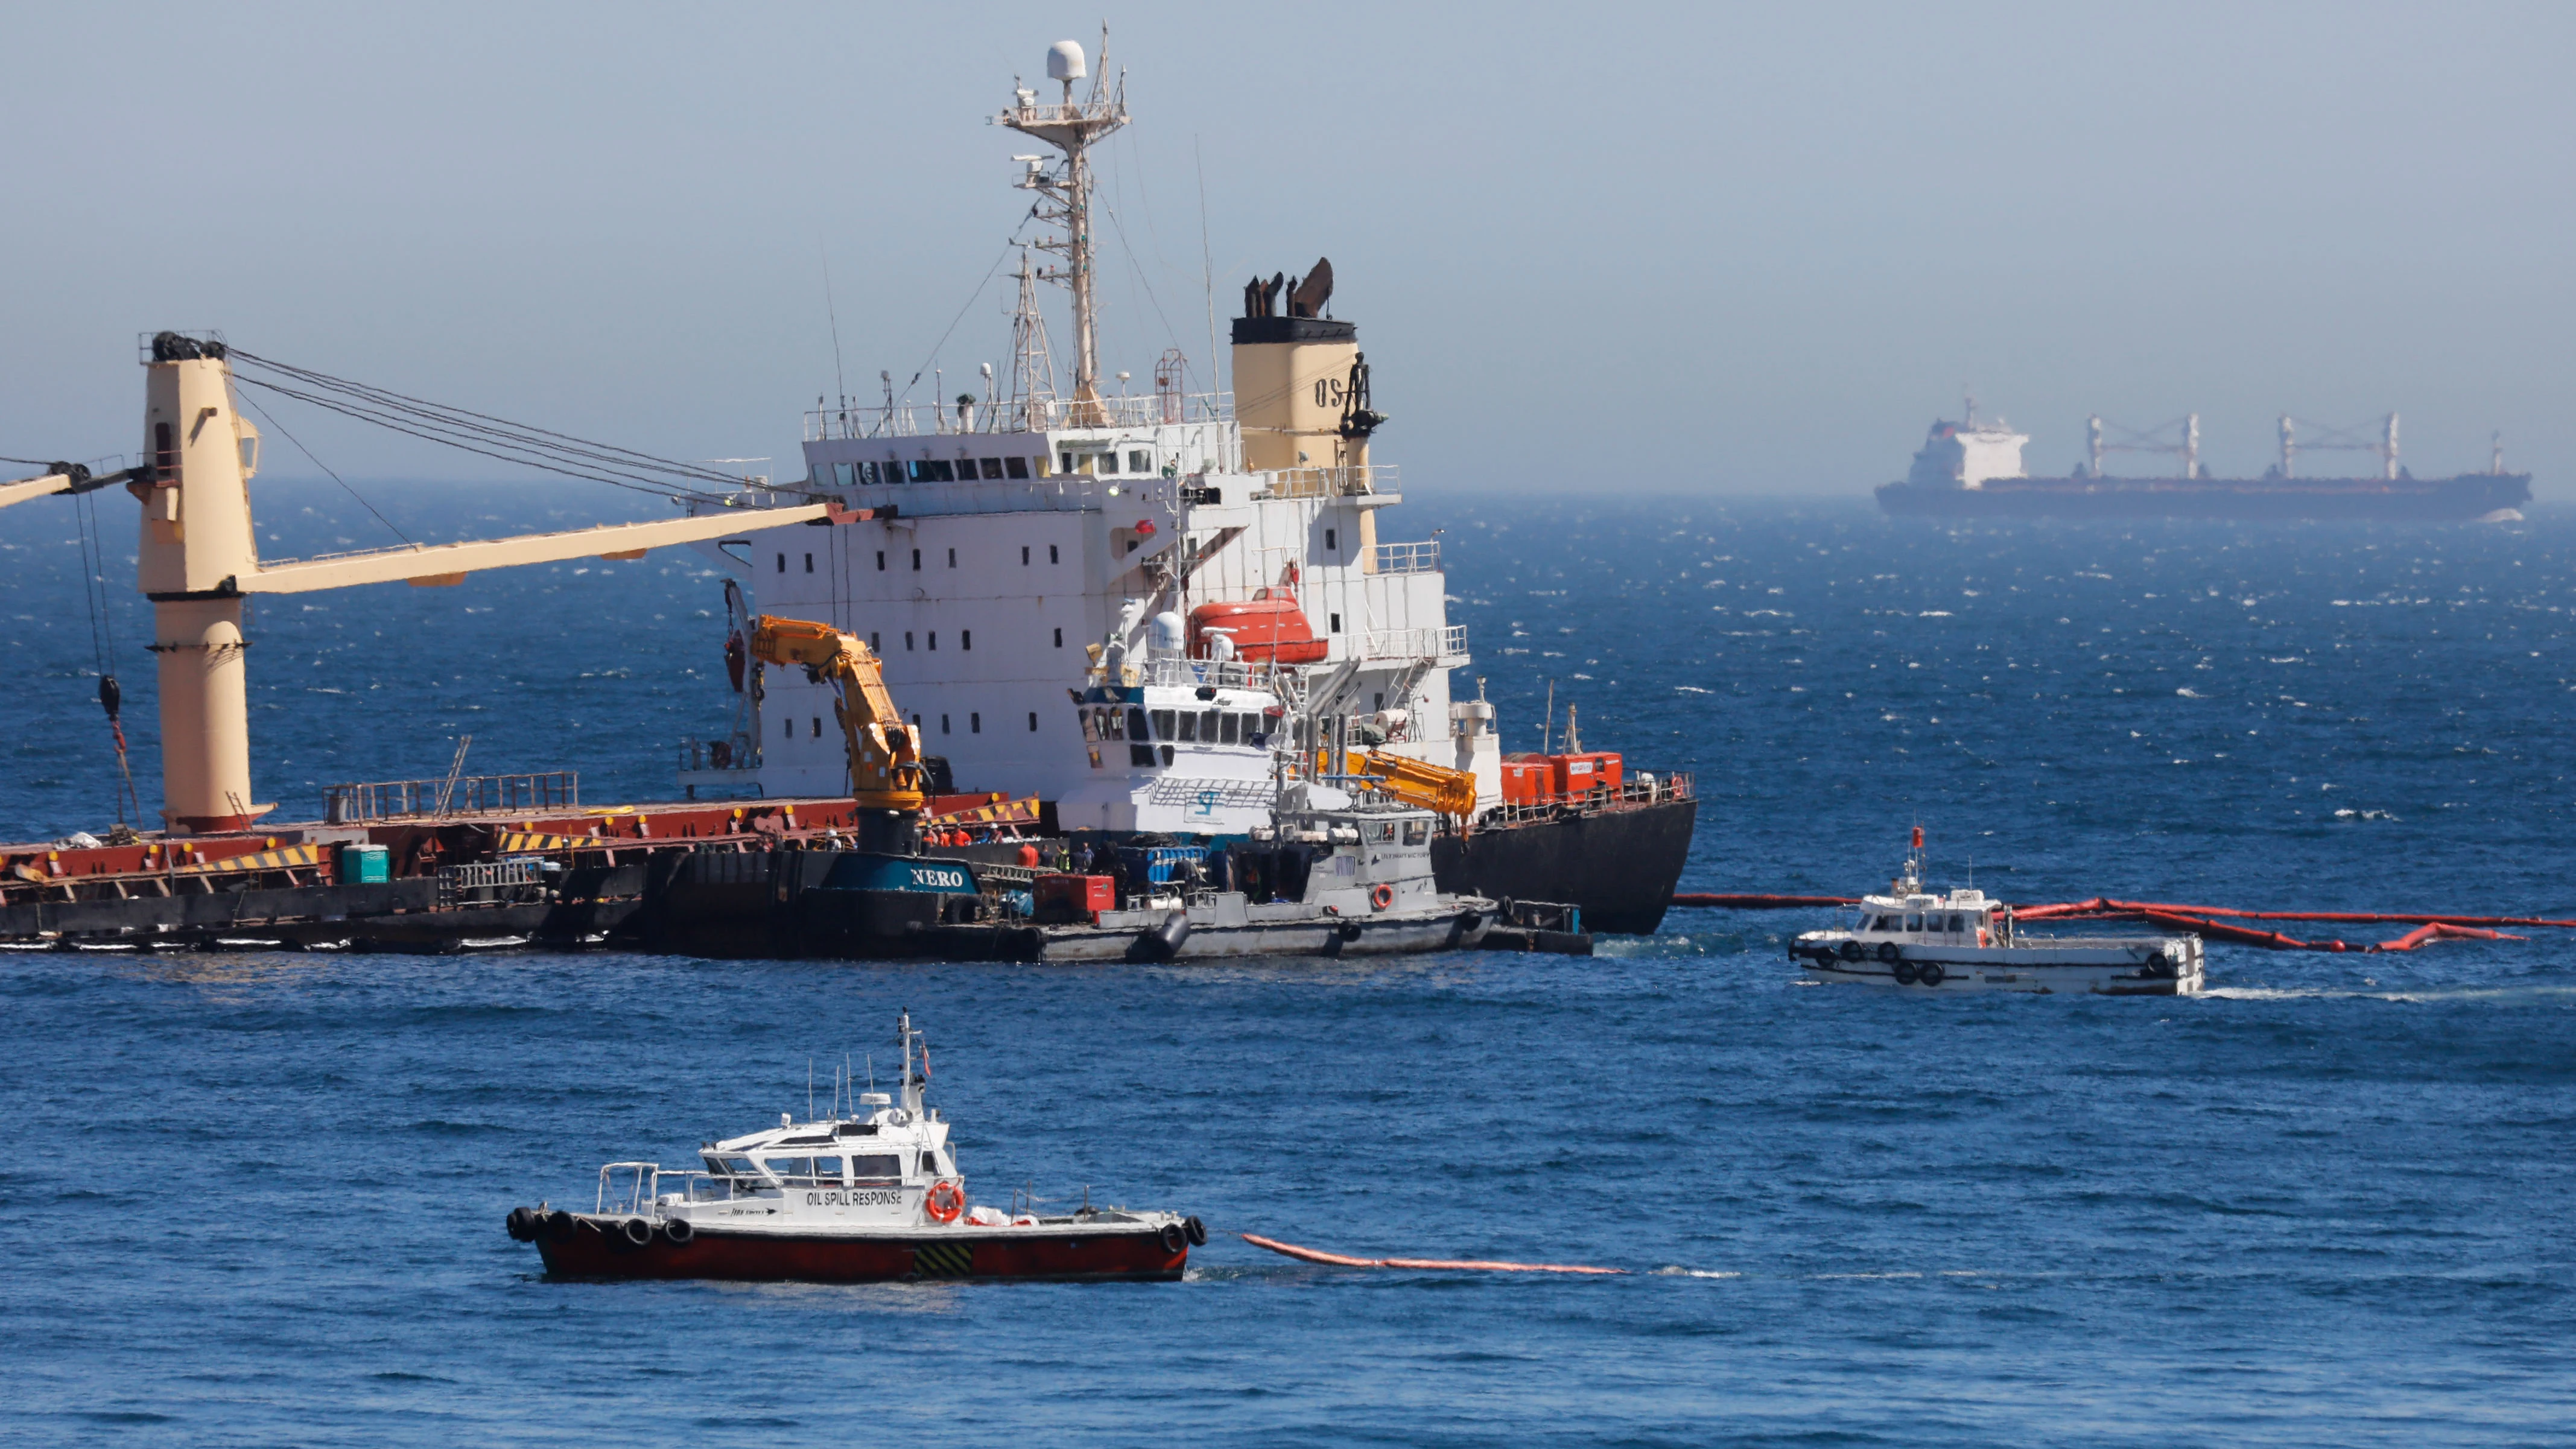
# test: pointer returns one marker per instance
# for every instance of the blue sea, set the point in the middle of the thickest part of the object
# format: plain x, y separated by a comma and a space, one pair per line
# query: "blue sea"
257, 1198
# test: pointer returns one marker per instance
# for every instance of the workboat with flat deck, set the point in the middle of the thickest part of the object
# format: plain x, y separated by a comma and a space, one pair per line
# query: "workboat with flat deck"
1958, 940
873, 1194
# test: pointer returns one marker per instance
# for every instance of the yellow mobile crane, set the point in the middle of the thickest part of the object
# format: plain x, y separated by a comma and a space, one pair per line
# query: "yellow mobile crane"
886, 772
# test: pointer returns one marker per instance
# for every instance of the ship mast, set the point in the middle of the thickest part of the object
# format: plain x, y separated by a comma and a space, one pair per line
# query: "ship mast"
1064, 195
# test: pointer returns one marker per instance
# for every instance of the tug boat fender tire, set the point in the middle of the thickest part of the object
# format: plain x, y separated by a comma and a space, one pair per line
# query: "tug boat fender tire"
1195, 1230
560, 1225
633, 1233
1163, 942
522, 1223
1174, 1237
679, 1231
1852, 950
1931, 973
1904, 973
1889, 951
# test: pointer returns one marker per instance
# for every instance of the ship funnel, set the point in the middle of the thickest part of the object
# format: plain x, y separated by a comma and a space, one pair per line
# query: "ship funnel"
1064, 61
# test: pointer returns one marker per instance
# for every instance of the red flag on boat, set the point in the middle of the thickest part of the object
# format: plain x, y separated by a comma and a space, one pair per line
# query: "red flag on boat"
1918, 837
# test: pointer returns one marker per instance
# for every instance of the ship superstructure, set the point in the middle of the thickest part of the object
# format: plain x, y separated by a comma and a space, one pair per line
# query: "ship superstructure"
1020, 561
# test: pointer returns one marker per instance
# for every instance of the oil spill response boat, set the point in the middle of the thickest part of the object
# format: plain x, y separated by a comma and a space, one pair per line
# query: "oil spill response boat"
870, 1195
1958, 940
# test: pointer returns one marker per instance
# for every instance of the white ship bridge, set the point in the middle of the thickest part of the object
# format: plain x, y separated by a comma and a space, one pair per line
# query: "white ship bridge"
993, 549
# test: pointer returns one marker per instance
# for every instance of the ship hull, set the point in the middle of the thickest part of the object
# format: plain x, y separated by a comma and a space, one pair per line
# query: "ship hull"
592, 1250
2469, 496
1619, 864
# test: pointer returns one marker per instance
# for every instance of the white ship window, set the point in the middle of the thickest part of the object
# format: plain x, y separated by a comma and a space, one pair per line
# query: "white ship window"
827, 1169
974, 723
876, 643
907, 639
965, 638
929, 1165
732, 1166
1015, 467
992, 467
943, 724
1230, 730
877, 1170
1024, 555
1163, 726
1958, 923
782, 563
1140, 462
1381, 832
791, 727
809, 563
952, 558
1189, 731
1109, 462
841, 474
1033, 721
916, 560
1167, 754
790, 1170
818, 726
1417, 832
1136, 729
1332, 539
1333, 624
1207, 727
1059, 638
934, 639
1913, 922
1051, 558
880, 560
1141, 756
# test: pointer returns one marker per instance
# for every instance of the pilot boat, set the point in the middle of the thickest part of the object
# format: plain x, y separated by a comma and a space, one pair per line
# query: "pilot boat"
872, 1195
1958, 940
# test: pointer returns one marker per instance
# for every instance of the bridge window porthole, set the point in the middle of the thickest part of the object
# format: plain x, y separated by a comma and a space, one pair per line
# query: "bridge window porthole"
791, 727
1033, 721
818, 726
782, 563
880, 560
1332, 539
974, 723
907, 639
1024, 555
952, 558
943, 724
876, 643
934, 639
1016, 467
916, 560
809, 563
965, 638
1051, 553
1059, 638
1335, 626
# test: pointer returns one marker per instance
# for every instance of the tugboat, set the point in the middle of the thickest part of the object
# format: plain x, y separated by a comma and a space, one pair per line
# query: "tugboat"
1960, 941
869, 1196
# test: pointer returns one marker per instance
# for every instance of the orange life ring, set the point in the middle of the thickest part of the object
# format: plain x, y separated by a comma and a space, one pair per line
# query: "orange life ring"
944, 1201
1381, 896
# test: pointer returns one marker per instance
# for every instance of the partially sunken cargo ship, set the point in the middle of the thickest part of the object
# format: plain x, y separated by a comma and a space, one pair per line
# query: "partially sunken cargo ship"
1158, 638
1974, 469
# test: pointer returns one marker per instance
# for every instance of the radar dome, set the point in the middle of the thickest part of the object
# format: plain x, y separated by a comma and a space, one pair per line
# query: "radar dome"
1064, 61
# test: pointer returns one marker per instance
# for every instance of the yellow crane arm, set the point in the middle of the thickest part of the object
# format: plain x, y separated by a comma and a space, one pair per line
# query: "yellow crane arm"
1432, 787
885, 753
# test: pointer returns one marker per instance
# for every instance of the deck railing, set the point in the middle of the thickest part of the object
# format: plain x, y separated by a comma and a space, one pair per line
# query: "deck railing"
1031, 415
1409, 558
463, 795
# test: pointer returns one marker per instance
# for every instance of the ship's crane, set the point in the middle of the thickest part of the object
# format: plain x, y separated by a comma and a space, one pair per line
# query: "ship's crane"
886, 770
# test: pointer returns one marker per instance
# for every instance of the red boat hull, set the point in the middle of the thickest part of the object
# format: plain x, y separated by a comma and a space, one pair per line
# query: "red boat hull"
1131, 1255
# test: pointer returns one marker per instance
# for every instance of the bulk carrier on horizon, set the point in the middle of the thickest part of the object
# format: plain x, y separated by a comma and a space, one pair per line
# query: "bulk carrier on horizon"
1974, 469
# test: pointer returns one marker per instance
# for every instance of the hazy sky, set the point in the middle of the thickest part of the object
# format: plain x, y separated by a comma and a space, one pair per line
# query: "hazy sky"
1694, 248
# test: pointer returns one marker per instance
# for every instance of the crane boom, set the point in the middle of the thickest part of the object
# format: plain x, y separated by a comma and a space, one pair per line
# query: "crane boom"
885, 753
1432, 787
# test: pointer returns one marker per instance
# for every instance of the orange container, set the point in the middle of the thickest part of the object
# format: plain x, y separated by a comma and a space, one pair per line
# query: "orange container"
1527, 779
1585, 773
1063, 898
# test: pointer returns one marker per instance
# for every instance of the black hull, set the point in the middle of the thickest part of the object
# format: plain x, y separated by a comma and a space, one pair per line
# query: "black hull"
1619, 865
2443, 500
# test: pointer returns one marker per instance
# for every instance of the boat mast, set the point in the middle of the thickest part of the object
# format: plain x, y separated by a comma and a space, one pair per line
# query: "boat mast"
1064, 194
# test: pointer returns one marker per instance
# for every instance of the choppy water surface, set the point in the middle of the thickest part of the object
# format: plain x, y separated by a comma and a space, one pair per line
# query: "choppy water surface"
253, 1199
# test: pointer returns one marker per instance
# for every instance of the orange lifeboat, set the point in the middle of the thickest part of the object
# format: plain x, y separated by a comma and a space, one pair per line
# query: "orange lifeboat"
1268, 628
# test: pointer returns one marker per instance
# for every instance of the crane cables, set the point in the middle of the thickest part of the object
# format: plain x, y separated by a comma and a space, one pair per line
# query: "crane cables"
102, 643
491, 437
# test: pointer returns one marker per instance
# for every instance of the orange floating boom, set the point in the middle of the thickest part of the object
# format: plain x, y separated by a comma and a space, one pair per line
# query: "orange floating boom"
1338, 1260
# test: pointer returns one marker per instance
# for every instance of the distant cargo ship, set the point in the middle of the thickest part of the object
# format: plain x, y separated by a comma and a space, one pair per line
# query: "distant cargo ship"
1974, 469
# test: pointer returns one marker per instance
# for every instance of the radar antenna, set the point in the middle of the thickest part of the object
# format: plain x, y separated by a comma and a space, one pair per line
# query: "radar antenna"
1064, 194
